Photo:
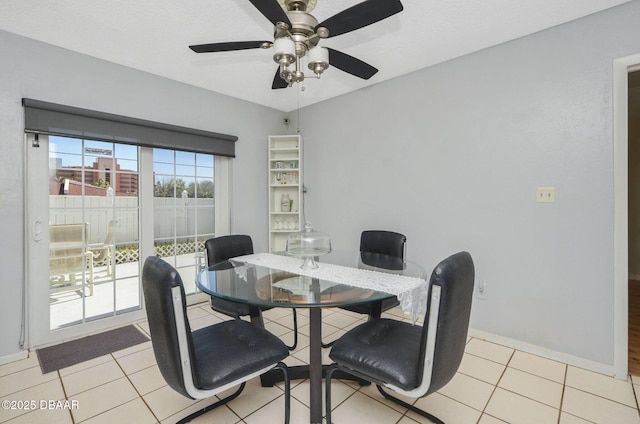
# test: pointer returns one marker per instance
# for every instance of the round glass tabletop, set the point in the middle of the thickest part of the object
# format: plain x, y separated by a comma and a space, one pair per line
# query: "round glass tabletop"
262, 285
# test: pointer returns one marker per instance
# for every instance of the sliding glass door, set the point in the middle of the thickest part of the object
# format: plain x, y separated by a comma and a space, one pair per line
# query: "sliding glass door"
96, 209
184, 209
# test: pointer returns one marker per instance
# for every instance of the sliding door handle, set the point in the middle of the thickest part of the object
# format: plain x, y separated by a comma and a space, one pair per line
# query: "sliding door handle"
37, 230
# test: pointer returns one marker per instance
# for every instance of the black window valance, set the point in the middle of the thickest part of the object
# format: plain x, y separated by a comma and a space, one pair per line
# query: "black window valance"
54, 119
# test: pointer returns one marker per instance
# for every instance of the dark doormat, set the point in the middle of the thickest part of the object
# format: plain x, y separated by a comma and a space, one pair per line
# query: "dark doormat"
76, 351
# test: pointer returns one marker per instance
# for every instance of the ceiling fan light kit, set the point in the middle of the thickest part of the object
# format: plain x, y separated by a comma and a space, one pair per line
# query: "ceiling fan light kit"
297, 32
318, 60
286, 52
294, 39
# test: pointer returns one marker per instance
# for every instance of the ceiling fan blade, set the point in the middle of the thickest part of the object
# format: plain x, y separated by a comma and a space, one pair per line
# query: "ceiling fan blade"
231, 46
278, 82
359, 16
351, 65
272, 10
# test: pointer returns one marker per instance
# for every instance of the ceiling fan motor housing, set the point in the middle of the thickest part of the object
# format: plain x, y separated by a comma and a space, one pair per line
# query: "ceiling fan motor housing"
301, 31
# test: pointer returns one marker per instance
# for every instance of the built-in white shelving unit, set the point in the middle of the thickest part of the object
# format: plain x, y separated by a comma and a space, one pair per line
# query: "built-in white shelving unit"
285, 181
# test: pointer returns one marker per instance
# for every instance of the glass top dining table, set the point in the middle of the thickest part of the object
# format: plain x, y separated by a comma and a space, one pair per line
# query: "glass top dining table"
276, 280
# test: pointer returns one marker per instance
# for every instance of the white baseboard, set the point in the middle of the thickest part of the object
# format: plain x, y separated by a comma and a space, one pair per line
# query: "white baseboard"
14, 357
566, 358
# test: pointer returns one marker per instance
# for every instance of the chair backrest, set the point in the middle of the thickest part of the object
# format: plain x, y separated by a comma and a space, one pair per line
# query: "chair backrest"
109, 238
66, 233
101, 253
383, 242
453, 278
158, 279
220, 249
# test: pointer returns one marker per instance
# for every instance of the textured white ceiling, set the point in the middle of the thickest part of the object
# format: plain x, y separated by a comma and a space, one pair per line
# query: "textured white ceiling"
153, 35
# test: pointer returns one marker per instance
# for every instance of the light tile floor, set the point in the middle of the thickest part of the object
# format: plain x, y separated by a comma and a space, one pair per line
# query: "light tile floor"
494, 385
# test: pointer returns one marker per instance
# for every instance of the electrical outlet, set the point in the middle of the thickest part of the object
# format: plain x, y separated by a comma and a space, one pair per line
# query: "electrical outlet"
545, 194
481, 289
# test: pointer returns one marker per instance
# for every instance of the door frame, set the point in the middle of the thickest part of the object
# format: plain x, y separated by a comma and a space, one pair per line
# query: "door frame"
621, 69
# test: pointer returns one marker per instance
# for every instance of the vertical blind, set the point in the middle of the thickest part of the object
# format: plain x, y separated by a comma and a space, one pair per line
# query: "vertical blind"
55, 119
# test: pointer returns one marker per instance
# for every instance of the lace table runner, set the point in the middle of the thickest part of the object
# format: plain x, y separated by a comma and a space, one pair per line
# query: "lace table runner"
410, 291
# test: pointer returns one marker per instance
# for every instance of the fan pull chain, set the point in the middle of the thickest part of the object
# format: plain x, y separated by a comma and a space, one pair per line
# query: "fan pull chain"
298, 110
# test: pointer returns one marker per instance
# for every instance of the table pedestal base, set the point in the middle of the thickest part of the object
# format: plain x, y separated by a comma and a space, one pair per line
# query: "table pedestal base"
314, 372
301, 372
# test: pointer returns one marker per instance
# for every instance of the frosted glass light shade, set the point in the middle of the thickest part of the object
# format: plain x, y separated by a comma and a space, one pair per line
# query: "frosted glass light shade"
284, 51
319, 54
318, 59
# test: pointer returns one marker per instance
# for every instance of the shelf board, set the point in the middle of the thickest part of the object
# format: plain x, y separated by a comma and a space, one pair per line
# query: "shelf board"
285, 185
284, 213
284, 169
284, 149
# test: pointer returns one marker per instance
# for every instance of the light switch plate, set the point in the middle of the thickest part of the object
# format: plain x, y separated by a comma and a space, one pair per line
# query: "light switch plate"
546, 194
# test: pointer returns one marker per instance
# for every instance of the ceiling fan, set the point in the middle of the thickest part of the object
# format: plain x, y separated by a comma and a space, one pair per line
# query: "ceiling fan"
297, 32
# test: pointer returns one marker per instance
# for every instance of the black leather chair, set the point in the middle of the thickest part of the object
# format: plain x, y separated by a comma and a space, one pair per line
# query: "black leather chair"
379, 242
409, 359
205, 362
219, 251
382, 242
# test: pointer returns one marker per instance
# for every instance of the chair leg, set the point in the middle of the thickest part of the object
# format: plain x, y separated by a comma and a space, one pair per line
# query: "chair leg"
295, 331
212, 406
328, 374
410, 407
287, 391
287, 398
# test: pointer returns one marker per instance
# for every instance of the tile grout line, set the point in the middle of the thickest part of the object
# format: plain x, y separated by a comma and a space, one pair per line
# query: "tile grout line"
495, 387
129, 380
564, 387
64, 392
141, 397
134, 386
635, 395
514, 368
604, 398
563, 384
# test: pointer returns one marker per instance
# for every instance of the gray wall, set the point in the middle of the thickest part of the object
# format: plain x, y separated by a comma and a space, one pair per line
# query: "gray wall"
451, 156
39, 71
